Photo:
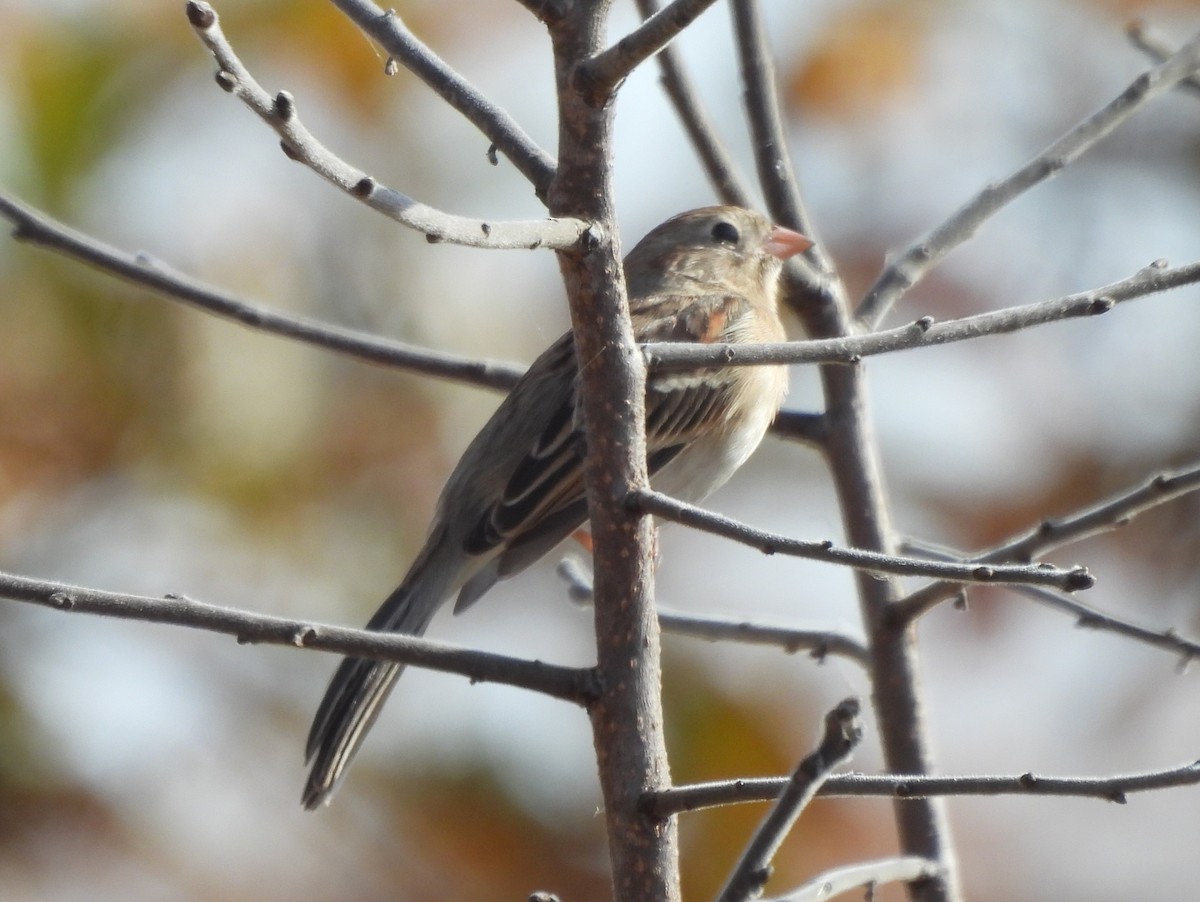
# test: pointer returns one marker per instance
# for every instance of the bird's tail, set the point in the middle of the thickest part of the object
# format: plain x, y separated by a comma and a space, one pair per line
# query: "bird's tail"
359, 686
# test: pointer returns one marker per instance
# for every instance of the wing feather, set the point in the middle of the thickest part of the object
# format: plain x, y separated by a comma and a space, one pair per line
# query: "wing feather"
543, 500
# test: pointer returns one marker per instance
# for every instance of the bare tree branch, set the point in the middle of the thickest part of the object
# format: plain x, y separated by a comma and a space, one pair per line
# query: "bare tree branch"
914, 263
567, 683
1091, 618
279, 112
775, 172
38, 229
600, 76
812, 288
660, 505
925, 332
900, 786
1108, 515
388, 30
1088, 617
842, 734
627, 718
1157, 48
869, 874
801, 426
714, 156
819, 643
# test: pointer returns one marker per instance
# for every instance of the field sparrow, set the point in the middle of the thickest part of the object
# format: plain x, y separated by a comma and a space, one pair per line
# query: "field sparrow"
709, 275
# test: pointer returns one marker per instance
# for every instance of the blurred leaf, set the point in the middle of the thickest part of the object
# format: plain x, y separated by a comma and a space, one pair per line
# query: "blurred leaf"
867, 57
78, 94
482, 844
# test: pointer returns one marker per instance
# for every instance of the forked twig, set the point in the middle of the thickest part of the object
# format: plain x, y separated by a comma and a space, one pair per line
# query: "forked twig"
903, 272
279, 112
842, 735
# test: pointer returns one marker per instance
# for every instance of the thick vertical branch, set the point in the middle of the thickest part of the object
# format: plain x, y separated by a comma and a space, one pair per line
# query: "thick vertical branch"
895, 666
853, 459
627, 721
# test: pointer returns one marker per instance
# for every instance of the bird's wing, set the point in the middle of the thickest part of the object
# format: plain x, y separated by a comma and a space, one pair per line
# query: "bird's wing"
544, 499
682, 405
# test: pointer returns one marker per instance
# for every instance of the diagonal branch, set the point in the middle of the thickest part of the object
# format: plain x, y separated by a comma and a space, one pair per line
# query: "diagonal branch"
925, 332
36, 228
814, 290
279, 112
761, 98
694, 797
660, 505
714, 156
915, 262
1108, 515
1087, 617
842, 734
567, 683
600, 76
1090, 618
389, 31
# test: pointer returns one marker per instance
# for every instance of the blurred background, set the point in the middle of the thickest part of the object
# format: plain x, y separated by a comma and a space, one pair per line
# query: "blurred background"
148, 448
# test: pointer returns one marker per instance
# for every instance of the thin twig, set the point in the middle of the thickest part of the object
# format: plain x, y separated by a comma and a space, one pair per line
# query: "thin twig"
1090, 618
279, 112
718, 163
761, 99
1087, 617
1138, 32
389, 31
923, 600
697, 796
813, 289
818, 643
926, 331
36, 228
914, 263
567, 683
600, 76
801, 426
842, 734
1108, 515
869, 874
660, 505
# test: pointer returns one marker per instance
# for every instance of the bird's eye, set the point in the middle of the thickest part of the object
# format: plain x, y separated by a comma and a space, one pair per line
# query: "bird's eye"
726, 232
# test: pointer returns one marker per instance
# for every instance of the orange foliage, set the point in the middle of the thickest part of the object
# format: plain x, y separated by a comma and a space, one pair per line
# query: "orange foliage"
866, 58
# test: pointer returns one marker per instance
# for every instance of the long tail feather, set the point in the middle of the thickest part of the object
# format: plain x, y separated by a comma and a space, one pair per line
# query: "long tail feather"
360, 686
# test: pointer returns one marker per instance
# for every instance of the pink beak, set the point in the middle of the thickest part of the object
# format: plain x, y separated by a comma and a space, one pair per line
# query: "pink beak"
784, 243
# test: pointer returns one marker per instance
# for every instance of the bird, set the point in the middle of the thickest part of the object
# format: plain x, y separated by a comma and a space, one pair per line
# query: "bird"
708, 275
